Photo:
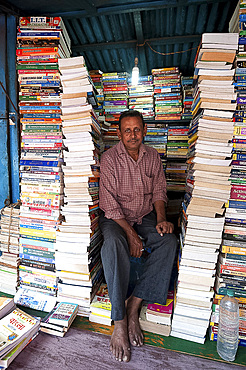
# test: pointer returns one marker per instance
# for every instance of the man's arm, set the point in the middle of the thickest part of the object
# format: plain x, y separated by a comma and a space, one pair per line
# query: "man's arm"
162, 226
134, 242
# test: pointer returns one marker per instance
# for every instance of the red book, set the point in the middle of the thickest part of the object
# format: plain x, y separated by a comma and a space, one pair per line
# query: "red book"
167, 308
238, 192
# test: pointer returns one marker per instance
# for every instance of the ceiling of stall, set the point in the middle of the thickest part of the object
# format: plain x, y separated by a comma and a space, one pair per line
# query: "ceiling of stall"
110, 33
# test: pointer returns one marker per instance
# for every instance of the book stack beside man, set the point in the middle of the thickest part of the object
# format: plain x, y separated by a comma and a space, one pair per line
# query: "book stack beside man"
207, 186
79, 239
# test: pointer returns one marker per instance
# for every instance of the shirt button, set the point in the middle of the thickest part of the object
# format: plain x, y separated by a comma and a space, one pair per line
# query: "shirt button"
139, 178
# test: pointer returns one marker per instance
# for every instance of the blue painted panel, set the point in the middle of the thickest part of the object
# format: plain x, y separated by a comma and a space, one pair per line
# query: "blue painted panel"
13, 114
4, 163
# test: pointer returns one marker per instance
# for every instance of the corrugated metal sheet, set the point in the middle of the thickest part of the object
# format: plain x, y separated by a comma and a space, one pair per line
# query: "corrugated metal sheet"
111, 33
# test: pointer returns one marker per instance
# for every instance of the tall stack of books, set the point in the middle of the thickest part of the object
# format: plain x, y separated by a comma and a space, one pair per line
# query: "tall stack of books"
79, 239
9, 249
115, 90
141, 96
96, 76
208, 188
231, 267
167, 93
187, 90
41, 41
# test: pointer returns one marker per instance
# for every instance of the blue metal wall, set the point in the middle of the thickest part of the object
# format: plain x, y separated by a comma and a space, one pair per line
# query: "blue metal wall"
9, 123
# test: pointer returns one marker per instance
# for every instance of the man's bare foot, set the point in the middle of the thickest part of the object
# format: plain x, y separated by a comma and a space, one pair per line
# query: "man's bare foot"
134, 330
119, 344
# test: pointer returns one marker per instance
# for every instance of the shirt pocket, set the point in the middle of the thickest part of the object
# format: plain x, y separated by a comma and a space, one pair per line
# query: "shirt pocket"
125, 192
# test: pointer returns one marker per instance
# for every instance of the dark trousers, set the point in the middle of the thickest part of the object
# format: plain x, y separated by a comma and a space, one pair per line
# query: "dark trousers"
153, 284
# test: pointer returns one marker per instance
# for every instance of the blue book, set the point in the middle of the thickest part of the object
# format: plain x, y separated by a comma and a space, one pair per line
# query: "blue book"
28, 162
42, 84
39, 115
38, 33
36, 258
39, 107
236, 204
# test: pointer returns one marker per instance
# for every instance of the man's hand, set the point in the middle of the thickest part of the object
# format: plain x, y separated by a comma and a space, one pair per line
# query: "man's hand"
164, 227
135, 244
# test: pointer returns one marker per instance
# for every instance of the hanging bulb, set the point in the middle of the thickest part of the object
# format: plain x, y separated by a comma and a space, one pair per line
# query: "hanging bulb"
135, 73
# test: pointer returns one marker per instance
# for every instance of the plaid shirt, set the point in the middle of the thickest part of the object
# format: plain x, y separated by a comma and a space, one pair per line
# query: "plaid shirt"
128, 189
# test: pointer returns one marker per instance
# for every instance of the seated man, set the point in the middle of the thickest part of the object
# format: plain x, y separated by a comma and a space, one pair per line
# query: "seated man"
133, 198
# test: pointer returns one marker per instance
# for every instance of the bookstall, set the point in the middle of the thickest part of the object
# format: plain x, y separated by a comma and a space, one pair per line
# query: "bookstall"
65, 116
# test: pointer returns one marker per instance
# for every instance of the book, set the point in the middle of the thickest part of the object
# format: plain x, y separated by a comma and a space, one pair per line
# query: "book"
14, 327
64, 314
152, 327
35, 300
6, 305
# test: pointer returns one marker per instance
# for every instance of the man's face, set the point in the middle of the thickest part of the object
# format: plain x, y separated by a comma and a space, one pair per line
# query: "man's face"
131, 132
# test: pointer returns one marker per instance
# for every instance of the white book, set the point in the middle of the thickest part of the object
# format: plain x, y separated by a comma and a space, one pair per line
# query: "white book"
217, 113
188, 328
216, 72
191, 320
71, 62
213, 162
77, 89
75, 83
191, 311
221, 47
75, 109
213, 65
189, 337
201, 294
220, 38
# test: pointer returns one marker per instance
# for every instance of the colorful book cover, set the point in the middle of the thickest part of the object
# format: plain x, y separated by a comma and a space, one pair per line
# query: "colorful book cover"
167, 308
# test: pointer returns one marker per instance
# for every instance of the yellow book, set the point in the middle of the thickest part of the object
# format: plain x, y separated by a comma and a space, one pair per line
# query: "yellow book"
38, 233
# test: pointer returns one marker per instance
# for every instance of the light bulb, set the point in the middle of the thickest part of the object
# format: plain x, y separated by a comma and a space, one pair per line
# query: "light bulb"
135, 75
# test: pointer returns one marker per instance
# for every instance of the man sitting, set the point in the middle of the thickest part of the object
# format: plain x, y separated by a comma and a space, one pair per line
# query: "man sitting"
133, 199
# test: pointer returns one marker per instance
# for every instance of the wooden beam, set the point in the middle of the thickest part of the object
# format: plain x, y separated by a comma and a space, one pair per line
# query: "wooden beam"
132, 43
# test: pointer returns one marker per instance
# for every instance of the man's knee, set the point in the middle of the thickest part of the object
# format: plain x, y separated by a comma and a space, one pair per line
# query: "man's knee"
114, 244
169, 243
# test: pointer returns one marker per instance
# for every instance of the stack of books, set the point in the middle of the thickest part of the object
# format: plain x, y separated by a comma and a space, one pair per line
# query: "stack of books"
9, 249
79, 239
40, 43
187, 90
59, 319
176, 176
207, 189
141, 96
100, 308
177, 149
17, 330
96, 76
167, 93
109, 134
156, 137
115, 90
156, 318
231, 267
